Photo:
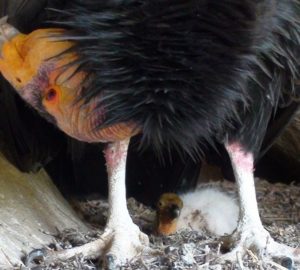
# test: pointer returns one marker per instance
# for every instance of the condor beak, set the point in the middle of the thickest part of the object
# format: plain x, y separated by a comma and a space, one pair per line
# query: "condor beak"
7, 31
174, 211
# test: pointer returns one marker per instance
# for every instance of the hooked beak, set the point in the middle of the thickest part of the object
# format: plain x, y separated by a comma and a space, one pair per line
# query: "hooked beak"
174, 211
7, 31
167, 221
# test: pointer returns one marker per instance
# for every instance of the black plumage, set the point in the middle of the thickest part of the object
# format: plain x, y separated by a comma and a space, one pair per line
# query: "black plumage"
189, 73
136, 47
30, 143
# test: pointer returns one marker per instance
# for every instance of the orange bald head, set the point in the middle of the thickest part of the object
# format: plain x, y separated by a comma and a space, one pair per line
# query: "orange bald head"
23, 55
44, 73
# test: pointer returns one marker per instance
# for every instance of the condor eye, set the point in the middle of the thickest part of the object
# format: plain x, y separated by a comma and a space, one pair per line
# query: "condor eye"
51, 94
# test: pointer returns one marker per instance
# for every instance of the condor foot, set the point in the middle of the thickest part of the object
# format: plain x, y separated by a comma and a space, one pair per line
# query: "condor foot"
116, 245
260, 242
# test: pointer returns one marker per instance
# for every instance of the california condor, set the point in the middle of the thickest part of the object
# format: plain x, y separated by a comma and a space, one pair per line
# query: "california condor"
186, 75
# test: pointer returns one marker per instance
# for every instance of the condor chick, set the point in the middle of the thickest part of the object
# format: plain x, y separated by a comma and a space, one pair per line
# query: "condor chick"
205, 209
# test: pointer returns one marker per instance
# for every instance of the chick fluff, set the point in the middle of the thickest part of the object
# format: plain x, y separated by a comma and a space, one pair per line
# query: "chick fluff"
207, 209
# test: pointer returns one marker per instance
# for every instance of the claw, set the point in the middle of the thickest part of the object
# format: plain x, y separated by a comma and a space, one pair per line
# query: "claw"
111, 262
287, 263
35, 255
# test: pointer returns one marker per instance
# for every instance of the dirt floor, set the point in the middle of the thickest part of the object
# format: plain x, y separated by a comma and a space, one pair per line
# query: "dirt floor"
280, 211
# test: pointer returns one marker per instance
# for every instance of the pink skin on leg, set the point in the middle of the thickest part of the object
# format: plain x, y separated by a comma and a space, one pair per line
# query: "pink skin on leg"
126, 238
250, 233
242, 164
240, 157
115, 156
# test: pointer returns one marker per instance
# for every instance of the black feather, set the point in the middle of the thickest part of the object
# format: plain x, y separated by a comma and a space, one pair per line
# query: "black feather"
29, 142
189, 73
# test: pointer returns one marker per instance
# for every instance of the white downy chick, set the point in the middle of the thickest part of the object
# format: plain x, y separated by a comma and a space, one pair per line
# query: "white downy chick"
206, 208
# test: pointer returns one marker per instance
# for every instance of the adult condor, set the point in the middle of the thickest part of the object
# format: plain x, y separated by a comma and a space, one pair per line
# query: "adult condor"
186, 75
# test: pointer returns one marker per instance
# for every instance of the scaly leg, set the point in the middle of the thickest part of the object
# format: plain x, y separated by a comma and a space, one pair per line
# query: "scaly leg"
122, 239
250, 233
127, 239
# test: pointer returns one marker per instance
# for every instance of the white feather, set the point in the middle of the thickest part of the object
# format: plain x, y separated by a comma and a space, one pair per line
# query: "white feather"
209, 209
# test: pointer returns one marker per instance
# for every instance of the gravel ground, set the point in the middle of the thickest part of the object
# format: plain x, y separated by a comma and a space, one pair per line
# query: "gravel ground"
280, 211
